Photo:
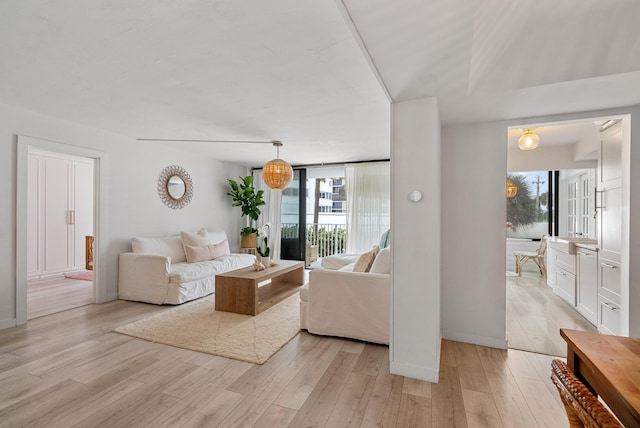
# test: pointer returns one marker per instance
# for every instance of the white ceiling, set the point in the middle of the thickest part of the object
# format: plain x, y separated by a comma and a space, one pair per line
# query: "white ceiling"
294, 71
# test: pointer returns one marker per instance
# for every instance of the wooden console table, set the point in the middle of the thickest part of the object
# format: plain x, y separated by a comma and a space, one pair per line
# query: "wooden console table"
240, 291
610, 367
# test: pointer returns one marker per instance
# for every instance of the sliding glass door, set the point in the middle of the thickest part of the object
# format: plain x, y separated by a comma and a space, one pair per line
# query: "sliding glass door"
293, 217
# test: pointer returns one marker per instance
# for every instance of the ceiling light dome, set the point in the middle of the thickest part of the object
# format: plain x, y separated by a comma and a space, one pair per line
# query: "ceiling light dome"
528, 140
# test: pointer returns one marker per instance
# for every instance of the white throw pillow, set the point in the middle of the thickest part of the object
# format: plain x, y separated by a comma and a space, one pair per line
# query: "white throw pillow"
169, 246
201, 238
382, 262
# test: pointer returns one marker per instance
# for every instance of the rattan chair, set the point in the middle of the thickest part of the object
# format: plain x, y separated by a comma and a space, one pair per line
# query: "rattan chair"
582, 407
537, 256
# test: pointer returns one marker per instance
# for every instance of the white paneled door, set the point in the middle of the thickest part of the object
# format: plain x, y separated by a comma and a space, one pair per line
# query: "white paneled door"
60, 212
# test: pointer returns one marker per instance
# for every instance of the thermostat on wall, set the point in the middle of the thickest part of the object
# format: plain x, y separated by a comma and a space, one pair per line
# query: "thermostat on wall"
415, 195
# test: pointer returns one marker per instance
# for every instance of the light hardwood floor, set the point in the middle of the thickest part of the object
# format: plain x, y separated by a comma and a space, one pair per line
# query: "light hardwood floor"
69, 370
535, 315
57, 294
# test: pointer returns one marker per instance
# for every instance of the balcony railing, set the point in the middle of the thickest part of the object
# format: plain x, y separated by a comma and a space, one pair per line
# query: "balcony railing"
330, 238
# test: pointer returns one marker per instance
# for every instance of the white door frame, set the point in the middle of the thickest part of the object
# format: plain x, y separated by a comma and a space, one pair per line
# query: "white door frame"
99, 216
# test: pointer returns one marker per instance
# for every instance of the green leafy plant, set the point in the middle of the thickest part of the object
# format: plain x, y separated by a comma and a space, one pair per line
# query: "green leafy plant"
246, 231
246, 197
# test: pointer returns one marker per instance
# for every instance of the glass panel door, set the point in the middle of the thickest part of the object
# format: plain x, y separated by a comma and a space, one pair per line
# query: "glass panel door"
293, 217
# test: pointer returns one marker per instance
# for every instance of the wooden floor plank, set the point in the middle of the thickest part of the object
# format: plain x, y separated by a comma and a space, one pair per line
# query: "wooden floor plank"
322, 400
352, 402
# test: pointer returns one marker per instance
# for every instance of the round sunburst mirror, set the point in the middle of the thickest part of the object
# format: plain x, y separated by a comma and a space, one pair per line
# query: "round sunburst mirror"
175, 187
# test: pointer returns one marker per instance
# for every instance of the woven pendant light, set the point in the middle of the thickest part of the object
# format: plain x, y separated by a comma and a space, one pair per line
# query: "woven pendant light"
512, 189
277, 173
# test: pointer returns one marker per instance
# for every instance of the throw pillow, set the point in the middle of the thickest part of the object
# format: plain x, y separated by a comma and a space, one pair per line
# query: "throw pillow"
363, 264
382, 262
203, 253
168, 246
200, 238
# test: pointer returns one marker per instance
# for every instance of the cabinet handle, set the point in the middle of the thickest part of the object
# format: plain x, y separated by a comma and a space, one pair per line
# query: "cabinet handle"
595, 201
610, 306
608, 265
583, 254
72, 217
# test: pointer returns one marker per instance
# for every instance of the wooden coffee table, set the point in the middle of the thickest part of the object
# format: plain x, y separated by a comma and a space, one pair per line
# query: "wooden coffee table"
247, 291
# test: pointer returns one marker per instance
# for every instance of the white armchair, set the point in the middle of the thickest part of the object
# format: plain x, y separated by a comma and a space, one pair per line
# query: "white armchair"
349, 304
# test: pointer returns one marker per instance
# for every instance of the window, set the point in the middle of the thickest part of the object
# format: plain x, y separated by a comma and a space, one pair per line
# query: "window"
339, 207
529, 209
572, 207
576, 207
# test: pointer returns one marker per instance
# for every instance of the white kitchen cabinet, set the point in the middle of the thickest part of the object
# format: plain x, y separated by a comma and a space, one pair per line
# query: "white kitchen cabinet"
609, 213
566, 276
587, 284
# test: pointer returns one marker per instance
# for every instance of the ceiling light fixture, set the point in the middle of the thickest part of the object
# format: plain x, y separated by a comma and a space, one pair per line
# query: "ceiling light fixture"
277, 173
528, 140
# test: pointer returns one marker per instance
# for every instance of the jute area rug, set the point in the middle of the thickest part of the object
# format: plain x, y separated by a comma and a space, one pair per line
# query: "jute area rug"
197, 326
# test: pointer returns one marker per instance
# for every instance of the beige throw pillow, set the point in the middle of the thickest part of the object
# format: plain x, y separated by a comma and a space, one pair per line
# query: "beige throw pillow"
195, 239
203, 253
364, 261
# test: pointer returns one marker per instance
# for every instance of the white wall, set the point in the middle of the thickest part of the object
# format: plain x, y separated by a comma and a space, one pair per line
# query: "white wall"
474, 165
546, 158
133, 205
415, 235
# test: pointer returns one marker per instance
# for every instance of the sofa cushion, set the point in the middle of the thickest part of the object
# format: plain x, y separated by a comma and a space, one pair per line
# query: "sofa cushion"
347, 268
364, 261
202, 253
382, 262
169, 246
182, 273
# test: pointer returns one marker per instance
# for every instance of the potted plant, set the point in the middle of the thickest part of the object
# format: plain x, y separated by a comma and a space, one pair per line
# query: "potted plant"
262, 247
245, 196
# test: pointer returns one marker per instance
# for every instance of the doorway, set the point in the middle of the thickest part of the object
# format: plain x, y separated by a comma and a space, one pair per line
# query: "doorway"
100, 163
59, 232
536, 310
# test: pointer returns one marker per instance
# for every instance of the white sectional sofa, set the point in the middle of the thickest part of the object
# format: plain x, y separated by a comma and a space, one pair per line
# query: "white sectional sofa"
157, 270
349, 304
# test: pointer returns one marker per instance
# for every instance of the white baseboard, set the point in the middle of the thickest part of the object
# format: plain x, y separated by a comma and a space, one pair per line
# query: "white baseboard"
408, 370
8, 323
491, 342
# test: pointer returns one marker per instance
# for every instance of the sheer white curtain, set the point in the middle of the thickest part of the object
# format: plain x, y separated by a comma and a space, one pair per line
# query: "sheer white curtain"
368, 190
270, 213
